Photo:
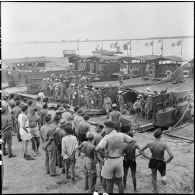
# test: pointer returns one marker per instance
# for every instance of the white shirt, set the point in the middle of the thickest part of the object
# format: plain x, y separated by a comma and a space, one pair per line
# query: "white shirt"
69, 145
77, 120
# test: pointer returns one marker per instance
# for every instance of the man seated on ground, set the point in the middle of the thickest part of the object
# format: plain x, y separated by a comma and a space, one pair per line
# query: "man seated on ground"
157, 161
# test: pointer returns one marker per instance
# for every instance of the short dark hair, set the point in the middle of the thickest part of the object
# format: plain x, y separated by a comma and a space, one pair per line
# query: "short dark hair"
25, 100
86, 117
30, 102
76, 108
11, 96
157, 133
17, 102
38, 98
46, 99
24, 108
68, 128
45, 106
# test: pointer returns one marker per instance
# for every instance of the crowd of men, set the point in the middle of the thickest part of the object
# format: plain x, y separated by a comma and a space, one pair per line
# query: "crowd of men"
64, 133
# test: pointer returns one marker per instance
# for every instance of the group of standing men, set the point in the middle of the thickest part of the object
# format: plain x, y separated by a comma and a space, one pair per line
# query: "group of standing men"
64, 132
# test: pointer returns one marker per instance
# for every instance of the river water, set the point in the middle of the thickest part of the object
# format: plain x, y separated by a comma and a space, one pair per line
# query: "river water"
21, 50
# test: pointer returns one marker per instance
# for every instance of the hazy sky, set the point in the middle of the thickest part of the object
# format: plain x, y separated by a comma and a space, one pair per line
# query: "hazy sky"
30, 21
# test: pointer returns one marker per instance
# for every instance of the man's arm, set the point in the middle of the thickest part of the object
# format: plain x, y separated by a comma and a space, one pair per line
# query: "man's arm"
142, 152
138, 148
170, 154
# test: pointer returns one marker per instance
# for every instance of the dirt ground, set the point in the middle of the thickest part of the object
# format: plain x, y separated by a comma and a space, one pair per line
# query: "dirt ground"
21, 176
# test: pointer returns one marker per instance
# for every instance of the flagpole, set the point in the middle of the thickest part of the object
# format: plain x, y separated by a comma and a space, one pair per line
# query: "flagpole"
78, 47
181, 46
162, 48
152, 47
130, 47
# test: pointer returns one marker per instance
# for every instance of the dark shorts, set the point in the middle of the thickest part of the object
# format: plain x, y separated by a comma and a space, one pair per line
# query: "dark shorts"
137, 110
160, 165
125, 129
82, 137
129, 163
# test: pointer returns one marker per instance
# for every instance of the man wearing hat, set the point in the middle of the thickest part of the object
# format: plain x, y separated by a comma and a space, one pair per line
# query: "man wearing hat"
89, 162
52, 111
112, 169
115, 117
107, 105
58, 135
157, 161
67, 115
69, 147
6, 128
34, 125
120, 100
47, 133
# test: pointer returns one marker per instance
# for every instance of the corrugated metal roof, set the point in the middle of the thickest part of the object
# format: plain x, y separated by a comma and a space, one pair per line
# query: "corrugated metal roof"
104, 52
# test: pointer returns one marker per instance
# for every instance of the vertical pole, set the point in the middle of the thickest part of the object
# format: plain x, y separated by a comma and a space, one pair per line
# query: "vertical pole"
152, 47
181, 46
162, 48
78, 48
130, 47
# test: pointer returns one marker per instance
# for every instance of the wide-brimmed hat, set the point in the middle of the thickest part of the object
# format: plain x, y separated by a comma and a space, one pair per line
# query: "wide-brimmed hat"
52, 106
60, 110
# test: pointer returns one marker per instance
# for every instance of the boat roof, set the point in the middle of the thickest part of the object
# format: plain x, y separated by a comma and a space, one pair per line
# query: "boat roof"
174, 58
105, 52
148, 57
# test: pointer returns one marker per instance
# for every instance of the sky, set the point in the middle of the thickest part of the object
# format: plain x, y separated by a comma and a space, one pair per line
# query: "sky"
35, 21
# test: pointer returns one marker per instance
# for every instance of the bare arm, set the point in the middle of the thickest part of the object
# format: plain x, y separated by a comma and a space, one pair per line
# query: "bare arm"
142, 152
170, 154
99, 154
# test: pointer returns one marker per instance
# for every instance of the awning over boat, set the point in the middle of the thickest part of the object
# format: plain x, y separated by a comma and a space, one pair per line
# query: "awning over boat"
149, 57
105, 52
174, 58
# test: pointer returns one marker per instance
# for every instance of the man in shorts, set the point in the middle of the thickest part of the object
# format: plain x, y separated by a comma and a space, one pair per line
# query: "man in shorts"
129, 151
112, 169
89, 162
34, 125
157, 161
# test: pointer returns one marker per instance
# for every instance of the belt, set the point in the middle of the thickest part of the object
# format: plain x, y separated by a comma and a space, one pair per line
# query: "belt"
114, 157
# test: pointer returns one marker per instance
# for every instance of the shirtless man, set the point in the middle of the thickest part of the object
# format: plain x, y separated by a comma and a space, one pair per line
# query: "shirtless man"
115, 117
129, 151
89, 162
34, 125
157, 161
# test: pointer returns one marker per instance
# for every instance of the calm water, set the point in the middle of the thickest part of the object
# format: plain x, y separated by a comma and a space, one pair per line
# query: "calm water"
21, 50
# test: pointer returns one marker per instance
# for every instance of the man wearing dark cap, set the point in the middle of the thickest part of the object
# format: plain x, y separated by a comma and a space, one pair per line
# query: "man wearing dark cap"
89, 162
129, 151
58, 135
6, 127
157, 161
112, 169
34, 125
83, 127
47, 133
69, 147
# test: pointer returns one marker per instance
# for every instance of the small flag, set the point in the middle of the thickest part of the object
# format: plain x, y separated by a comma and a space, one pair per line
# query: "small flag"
115, 44
149, 43
118, 49
178, 43
173, 44
125, 46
